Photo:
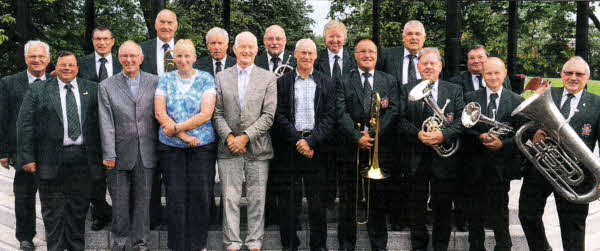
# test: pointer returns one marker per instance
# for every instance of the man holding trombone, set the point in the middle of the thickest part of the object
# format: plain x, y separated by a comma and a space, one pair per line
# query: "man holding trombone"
361, 199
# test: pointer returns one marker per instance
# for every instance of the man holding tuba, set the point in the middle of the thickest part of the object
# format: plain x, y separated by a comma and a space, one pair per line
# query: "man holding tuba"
427, 169
491, 160
535, 190
353, 106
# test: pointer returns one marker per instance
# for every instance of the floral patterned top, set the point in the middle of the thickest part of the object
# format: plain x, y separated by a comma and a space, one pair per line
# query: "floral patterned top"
184, 98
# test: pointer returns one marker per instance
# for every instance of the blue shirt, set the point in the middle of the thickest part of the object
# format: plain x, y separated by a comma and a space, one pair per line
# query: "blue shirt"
184, 99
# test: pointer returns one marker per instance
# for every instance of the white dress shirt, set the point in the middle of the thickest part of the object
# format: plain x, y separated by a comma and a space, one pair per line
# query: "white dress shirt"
475, 82
362, 78
574, 100
63, 104
489, 100
108, 65
214, 64
332, 60
31, 78
405, 67
280, 56
160, 55
243, 79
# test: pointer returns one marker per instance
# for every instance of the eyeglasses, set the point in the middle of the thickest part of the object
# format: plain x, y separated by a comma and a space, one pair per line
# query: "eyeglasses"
370, 52
102, 39
570, 73
306, 53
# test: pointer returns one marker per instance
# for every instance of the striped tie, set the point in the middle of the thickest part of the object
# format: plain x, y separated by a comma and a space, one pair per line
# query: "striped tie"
74, 128
367, 92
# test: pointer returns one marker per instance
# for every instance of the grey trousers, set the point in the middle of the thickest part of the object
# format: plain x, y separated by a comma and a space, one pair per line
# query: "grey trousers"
233, 172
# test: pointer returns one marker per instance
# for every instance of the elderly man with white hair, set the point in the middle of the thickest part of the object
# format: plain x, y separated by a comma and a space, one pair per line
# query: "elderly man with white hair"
12, 90
244, 112
217, 42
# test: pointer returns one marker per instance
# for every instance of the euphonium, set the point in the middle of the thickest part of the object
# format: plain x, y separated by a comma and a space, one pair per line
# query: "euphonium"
284, 68
561, 154
436, 122
471, 115
169, 61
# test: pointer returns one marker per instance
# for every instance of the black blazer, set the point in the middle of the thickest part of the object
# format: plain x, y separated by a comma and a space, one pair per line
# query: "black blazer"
412, 150
87, 67
481, 163
322, 63
349, 109
40, 128
262, 60
391, 61
588, 116
465, 81
12, 91
205, 64
285, 116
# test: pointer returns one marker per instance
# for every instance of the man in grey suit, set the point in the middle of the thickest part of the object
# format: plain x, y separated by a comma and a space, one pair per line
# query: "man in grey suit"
244, 112
128, 133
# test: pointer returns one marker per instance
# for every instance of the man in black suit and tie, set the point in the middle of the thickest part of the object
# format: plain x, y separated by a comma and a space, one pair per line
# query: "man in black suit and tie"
402, 62
217, 42
276, 54
305, 116
492, 160
472, 80
427, 170
535, 190
12, 90
353, 105
58, 138
97, 67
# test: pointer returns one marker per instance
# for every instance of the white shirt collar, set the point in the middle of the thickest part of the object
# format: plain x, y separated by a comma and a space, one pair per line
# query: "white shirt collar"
222, 62
31, 78
489, 92
108, 57
577, 95
247, 70
280, 56
159, 44
406, 53
308, 77
62, 84
361, 72
339, 54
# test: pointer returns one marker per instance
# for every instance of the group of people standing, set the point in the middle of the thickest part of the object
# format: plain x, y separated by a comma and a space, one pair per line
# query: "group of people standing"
129, 123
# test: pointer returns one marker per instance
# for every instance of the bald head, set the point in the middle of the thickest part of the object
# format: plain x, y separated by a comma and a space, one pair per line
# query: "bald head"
494, 72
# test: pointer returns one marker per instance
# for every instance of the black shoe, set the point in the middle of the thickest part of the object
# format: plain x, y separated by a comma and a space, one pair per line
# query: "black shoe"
290, 249
99, 224
318, 249
461, 228
398, 227
27, 246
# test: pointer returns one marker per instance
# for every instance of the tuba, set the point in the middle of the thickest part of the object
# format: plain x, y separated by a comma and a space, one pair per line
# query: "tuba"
284, 68
471, 115
436, 122
169, 61
562, 154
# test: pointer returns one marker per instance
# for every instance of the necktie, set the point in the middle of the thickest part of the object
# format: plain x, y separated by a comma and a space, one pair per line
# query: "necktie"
492, 105
337, 72
275, 61
480, 80
74, 130
37, 80
566, 107
412, 73
102, 73
218, 67
367, 90
168, 57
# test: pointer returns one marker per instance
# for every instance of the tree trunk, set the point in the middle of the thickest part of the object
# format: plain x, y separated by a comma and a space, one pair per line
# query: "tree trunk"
90, 24
453, 49
23, 27
581, 33
226, 15
511, 57
375, 34
150, 8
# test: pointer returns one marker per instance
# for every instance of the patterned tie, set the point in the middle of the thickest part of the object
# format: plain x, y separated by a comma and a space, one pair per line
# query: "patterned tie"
480, 80
74, 129
275, 61
566, 107
367, 92
168, 56
37, 80
102, 73
337, 73
412, 73
492, 105
218, 67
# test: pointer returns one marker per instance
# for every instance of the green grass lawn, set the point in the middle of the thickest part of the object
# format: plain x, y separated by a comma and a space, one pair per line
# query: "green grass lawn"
593, 85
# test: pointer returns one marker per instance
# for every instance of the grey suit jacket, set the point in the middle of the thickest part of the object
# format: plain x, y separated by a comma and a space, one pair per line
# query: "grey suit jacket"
254, 119
127, 126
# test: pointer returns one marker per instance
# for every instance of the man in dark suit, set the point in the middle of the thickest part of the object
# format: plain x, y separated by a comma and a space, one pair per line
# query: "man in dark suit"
12, 90
402, 62
535, 190
154, 54
304, 118
353, 105
217, 42
492, 160
426, 170
58, 138
472, 79
97, 67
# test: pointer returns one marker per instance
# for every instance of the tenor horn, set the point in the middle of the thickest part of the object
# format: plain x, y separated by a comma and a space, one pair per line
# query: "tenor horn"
471, 115
169, 61
438, 121
284, 68
560, 156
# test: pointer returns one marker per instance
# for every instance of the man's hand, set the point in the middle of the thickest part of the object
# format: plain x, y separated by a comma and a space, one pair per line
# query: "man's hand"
303, 148
539, 136
109, 164
237, 145
4, 162
365, 142
492, 142
431, 138
30, 167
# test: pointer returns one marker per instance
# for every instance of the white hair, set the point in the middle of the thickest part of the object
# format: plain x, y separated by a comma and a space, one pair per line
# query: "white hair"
306, 40
246, 34
37, 42
162, 12
273, 27
414, 23
335, 25
430, 50
577, 59
134, 43
217, 31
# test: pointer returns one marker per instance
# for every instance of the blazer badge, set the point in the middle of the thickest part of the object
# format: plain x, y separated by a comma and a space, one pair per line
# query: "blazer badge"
385, 102
586, 130
450, 117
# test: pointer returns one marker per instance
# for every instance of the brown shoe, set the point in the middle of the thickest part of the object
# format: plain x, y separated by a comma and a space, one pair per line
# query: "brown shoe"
254, 249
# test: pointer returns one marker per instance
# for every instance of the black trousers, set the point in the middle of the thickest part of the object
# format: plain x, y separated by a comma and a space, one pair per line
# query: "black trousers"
275, 189
376, 226
397, 197
159, 179
313, 174
100, 209
189, 171
488, 202
442, 192
25, 186
571, 217
65, 201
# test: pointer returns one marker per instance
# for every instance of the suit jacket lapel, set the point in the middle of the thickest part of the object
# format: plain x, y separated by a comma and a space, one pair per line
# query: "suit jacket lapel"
122, 83
483, 102
318, 89
143, 87
55, 97
250, 87
400, 65
153, 57
469, 83
116, 65
442, 95
91, 64
585, 98
22, 83
357, 84
83, 97
234, 82
324, 63
503, 104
